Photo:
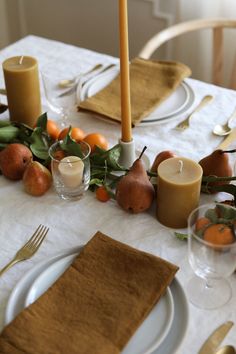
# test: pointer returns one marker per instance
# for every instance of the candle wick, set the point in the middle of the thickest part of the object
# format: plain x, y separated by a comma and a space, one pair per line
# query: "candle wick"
21, 59
181, 164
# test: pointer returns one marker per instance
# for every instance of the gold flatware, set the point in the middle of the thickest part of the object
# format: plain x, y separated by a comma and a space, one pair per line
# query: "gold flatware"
29, 249
224, 129
227, 349
185, 123
73, 87
228, 140
71, 82
66, 83
214, 340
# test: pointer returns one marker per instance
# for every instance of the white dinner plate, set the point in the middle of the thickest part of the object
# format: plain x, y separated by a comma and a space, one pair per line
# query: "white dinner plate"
175, 105
174, 307
154, 329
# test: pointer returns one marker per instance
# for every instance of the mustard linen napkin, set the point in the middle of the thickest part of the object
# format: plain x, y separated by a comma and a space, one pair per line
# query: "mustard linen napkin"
95, 306
151, 82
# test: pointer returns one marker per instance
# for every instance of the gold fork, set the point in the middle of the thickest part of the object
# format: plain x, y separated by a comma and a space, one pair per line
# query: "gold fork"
29, 249
185, 123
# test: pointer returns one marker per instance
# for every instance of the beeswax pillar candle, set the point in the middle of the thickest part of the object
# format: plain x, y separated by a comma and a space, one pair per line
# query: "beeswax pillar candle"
23, 90
126, 129
178, 190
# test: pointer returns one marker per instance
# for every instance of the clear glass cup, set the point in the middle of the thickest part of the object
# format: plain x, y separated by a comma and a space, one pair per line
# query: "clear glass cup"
71, 174
61, 98
213, 262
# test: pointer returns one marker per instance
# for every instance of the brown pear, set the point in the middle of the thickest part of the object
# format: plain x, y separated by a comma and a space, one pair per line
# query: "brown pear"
163, 155
134, 192
37, 179
14, 160
216, 164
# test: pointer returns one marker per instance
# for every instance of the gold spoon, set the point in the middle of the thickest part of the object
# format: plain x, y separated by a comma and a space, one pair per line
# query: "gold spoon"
224, 129
227, 349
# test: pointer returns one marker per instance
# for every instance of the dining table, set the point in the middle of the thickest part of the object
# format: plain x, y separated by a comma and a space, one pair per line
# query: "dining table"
73, 223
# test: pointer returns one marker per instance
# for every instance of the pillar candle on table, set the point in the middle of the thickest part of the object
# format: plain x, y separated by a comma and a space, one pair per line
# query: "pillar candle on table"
126, 128
178, 190
71, 171
23, 90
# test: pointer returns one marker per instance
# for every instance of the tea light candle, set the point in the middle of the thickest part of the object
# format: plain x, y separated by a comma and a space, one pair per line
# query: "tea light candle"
178, 190
23, 90
71, 170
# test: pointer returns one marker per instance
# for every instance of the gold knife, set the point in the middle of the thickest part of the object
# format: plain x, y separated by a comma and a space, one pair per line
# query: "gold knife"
228, 140
214, 340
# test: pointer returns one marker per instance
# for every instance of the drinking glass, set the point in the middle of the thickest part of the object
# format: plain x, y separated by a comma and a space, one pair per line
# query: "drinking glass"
61, 99
213, 260
71, 174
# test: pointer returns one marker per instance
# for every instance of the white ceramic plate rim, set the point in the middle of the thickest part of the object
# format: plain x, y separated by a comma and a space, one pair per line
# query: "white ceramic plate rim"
54, 271
181, 313
150, 119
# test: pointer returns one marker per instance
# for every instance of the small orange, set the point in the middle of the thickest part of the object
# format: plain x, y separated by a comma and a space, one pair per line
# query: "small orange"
98, 139
52, 129
76, 133
59, 155
201, 223
219, 234
102, 195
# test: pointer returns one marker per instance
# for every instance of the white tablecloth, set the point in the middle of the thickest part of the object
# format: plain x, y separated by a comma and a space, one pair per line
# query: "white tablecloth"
74, 223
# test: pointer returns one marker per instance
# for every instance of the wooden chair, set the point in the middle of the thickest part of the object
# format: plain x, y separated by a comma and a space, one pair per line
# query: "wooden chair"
217, 26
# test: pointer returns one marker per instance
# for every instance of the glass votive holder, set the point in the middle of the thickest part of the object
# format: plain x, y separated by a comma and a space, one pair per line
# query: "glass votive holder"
211, 254
71, 174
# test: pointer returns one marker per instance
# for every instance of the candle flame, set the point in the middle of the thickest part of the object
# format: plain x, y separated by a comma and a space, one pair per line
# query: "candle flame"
181, 165
21, 59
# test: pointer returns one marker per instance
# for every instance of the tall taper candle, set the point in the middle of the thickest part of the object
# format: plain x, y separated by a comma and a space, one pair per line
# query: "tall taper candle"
126, 129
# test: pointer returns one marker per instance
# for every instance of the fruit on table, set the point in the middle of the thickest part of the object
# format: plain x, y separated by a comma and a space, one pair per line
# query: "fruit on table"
102, 194
14, 160
216, 164
37, 179
201, 223
163, 155
94, 139
52, 129
217, 225
219, 234
59, 155
76, 133
134, 191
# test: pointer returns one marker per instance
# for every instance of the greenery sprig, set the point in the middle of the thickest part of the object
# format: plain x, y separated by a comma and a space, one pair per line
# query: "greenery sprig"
208, 185
105, 165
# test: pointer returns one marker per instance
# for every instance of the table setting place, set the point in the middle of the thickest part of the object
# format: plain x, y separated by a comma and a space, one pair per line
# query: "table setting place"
118, 217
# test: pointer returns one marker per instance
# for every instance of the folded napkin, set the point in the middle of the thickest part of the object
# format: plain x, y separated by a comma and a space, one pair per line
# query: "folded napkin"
95, 306
151, 82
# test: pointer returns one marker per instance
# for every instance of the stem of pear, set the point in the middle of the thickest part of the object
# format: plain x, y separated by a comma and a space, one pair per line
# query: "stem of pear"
142, 152
228, 151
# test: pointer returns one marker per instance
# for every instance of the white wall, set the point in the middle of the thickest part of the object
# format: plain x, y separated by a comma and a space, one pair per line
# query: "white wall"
4, 30
91, 24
